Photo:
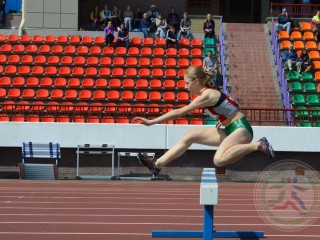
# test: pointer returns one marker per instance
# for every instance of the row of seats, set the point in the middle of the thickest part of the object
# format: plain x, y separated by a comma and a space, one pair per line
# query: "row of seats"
296, 35
15, 59
88, 40
299, 45
305, 76
306, 87
97, 50
111, 95
300, 99
113, 83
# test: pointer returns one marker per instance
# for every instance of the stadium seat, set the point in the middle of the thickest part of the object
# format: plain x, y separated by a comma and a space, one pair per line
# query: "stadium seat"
10, 70
155, 96
169, 96
78, 60
5, 81
296, 35
23, 106
317, 76
78, 118
75, 82
85, 95
63, 119
108, 50
160, 42
184, 42
196, 62
91, 72
153, 108
96, 106
76, 71
298, 99
82, 50
7, 105
196, 121
50, 39
147, 42
313, 99
308, 36
144, 72
125, 108
283, 35
93, 61
181, 84
110, 107
196, 52
171, 52
74, 39
311, 45
131, 72
37, 39
209, 42
133, 51
56, 94
48, 118
32, 82
181, 73
93, 119
104, 72
57, 49
139, 108
314, 55
82, 106
170, 73
171, 62
131, 62
284, 45
146, 52
18, 48
184, 52
157, 62
99, 40
184, 63
99, 95
17, 118
316, 65
182, 121
6, 48
71, 50
183, 96
71, 94
128, 83
118, 61
27, 93
53, 107
105, 61
86, 83
38, 105
42, 94
52, 70
86, 40
155, 83
101, 83
3, 92
114, 83
309, 87
67, 107
307, 76
295, 87
117, 72
44, 49
302, 112
113, 95
157, 73
62, 39
13, 59
142, 83
52, 60
141, 96
60, 82
127, 95
46, 82
18, 82
108, 119
95, 50
41, 60
196, 42
136, 41
123, 120
293, 76
121, 51
3, 38
27, 59
32, 48
158, 52
305, 123
144, 62
4, 118
306, 27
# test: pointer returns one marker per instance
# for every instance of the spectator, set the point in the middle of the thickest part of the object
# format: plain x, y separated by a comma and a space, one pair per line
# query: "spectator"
108, 33
145, 25
115, 17
210, 66
161, 24
106, 15
138, 16
128, 16
185, 26
123, 36
2, 12
153, 14
291, 59
284, 21
209, 27
315, 21
305, 62
173, 18
96, 17
172, 37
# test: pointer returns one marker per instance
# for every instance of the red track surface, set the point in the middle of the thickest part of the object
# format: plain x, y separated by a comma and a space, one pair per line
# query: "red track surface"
78, 210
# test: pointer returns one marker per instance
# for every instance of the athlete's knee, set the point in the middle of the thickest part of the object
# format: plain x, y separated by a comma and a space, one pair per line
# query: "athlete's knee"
219, 161
190, 136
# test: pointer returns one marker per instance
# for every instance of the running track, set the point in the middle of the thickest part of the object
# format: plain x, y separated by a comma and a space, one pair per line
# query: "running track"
78, 210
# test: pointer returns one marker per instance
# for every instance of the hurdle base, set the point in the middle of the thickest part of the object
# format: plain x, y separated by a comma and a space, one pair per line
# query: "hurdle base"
199, 234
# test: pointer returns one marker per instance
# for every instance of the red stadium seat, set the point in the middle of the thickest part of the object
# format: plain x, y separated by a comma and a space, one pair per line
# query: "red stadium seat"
6, 48
74, 39
51, 70
171, 52
133, 51
139, 108
63, 119
169, 96
48, 118
71, 94
114, 83
108, 119
75, 82
147, 41
196, 42
171, 62
182, 121
53, 107
42, 94
157, 73
37, 39
142, 83
125, 108
44, 49
91, 72
169, 84
144, 72
104, 72
196, 52
86, 83
5, 81
99, 95
37, 70
28, 93
181, 84
60, 82
108, 50
95, 50
121, 51
117, 72
56, 94
127, 95
53, 60
83, 50
18, 82
62, 39
99, 40
101, 83
155, 96
128, 83
131, 72
11, 69
157, 62
160, 42
113, 95
146, 51
46, 82
13, 59
144, 61
181, 73
26, 59
17, 118
158, 52
78, 60
77, 71
111, 108
184, 52
136, 41
93, 119
86, 40
170, 73
141, 96
93, 61
50, 39
183, 96
184, 63
118, 61
196, 62
32, 82
131, 62
105, 61
33, 118
185, 42
57, 49
70, 50
67, 107
153, 108
67, 60
155, 83
85, 95
3, 93
96, 106
41, 60
7, 105
18, 48
3, 38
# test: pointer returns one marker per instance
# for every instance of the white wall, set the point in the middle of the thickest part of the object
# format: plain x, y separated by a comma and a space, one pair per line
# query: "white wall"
134, 136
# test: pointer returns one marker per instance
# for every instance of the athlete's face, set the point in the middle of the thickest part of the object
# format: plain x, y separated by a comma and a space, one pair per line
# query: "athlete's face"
192, 86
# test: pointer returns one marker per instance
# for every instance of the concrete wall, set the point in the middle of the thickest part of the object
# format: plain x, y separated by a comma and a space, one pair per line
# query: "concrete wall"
52, 14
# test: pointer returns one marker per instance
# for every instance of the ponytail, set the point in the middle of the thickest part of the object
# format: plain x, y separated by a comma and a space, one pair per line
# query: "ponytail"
204, 76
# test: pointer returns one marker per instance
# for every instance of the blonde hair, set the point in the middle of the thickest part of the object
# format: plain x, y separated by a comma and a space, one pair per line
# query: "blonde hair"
200, 74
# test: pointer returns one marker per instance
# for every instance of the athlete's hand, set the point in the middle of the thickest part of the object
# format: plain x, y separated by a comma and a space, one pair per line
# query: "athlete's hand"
219, 124
143, 121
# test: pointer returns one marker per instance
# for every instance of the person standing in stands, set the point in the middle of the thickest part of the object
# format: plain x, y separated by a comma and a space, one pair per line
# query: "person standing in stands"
234, 141
291, 59
108, 33
185, 26
106, 15
123, 36
284, 21
208, 27
172, 37
173, 18
2, 12
96, 18
128, 17
145, 25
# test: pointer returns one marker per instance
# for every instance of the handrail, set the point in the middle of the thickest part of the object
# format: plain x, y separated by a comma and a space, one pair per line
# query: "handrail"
297, 10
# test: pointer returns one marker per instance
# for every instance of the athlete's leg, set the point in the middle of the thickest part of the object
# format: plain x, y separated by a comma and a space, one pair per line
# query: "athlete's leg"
204, 136
234, 147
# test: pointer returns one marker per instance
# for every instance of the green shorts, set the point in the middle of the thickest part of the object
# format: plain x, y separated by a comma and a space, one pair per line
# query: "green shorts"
239, 123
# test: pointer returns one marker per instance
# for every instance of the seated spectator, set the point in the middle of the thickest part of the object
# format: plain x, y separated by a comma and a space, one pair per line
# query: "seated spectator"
185, 26
173, 18
305, 62
291, 59
161, 24
284, 21
210, 65
152, 15
106, 15
209, 27
315, 21
145, 25
108, 33
115, 17
138, 16
123, 36
172, 37
128, 16
96, 17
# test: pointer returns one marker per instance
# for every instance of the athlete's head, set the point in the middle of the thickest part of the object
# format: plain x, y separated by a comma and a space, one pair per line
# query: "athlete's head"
197, 78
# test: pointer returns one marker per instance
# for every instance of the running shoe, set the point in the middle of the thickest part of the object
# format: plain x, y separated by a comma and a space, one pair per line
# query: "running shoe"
266, 147
149, 162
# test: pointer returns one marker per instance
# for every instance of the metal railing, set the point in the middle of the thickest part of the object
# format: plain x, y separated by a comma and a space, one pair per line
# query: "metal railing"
296, 10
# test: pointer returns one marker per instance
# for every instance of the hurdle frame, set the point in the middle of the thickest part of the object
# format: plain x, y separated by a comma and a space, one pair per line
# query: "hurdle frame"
208, 198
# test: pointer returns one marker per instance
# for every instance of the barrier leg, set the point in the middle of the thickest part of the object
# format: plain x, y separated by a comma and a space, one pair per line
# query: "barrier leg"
208, 222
